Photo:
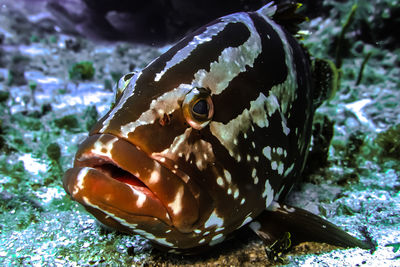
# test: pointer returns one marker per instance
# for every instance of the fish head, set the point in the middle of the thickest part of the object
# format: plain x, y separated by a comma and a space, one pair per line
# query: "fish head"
157, 175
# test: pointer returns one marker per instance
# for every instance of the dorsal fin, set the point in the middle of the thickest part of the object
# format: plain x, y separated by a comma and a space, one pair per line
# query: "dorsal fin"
285, 14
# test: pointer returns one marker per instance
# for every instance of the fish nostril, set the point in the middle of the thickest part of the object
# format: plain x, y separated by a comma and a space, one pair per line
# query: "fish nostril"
165, 120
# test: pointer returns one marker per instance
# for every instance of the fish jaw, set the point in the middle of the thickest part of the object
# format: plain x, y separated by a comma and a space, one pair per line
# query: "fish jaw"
129, 187
112, 199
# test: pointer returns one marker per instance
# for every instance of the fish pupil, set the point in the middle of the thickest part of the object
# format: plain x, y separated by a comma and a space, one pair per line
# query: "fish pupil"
201, 107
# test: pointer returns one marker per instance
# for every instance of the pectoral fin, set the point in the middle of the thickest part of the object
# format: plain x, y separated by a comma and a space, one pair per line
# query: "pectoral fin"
285, 226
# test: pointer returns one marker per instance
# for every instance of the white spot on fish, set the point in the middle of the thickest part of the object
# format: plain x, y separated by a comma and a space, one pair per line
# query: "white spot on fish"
220, 229
146, 234
220, 181
280, 168
246, 220
268, 193
236, 194
217, 239
256, 180
141, 199
176, 205
214, 220
80, 180
228, 176
154, 177
103, 149
272, 104
286, 130
267, 152
164, 242
274, 165
108, 197
291, 209
87, 201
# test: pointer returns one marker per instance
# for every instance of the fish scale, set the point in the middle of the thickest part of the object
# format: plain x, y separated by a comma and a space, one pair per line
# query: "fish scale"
208, 137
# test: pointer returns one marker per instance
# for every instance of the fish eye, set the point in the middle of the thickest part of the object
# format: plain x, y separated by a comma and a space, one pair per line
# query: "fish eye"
121, 85
201, 108
198, 108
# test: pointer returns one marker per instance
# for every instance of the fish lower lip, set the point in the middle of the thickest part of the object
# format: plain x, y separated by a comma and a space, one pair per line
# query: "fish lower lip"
93, 188
116, 163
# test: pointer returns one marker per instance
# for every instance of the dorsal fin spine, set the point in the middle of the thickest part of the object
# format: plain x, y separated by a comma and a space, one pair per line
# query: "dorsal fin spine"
268, 10
285, 14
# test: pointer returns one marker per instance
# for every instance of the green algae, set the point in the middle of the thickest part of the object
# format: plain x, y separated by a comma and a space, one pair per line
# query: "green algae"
91, 116
341, 39
14, 173
4, 95
83, 70
75, 123
69, 123
363, 64
53, 151
389, 141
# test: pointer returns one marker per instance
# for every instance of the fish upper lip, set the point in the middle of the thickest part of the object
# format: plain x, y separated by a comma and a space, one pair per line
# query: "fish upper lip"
109, 167
164, 185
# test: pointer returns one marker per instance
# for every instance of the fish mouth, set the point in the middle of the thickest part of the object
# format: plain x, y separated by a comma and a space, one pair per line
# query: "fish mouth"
117, 178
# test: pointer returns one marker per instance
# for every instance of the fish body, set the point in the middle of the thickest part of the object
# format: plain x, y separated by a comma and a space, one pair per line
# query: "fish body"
203, 140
